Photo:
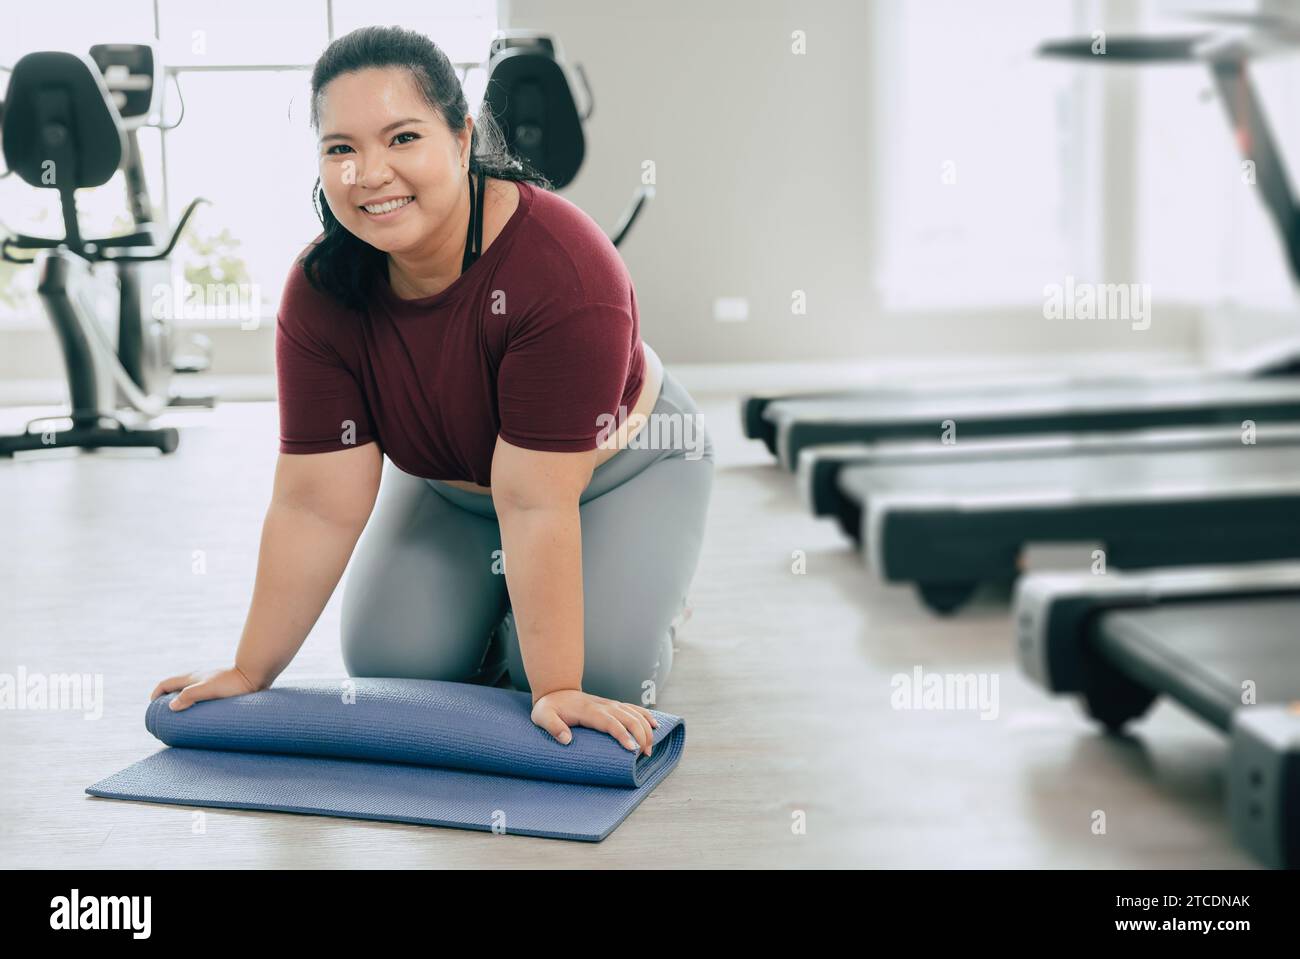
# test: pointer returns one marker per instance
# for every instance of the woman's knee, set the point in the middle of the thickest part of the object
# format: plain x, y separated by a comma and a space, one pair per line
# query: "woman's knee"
641, 548
419, 600
630, 666
398, 623
641, 545
411, 640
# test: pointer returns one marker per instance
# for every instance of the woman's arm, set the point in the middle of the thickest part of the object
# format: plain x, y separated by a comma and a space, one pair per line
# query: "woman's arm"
536, 499
320, 503
536, 496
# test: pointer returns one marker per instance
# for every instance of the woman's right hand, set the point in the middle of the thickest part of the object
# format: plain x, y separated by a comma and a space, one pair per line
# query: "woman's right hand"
196, 687
628, 723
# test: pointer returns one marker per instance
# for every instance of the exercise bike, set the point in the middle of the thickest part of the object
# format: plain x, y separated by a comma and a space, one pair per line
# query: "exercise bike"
530, 96
70, 122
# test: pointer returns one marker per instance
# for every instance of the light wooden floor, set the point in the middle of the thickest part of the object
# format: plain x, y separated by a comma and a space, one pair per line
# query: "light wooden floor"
784, 680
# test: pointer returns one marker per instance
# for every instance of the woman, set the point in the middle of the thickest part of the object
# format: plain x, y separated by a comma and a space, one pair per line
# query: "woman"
483, 333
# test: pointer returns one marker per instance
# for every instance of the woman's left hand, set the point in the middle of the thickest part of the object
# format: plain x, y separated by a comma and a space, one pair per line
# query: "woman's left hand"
631, 725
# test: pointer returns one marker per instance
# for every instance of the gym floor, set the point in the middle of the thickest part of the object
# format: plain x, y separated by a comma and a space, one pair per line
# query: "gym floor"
784, 679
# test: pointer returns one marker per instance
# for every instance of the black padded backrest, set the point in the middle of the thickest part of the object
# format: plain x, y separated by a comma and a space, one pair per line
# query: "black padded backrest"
59, 109
530, 97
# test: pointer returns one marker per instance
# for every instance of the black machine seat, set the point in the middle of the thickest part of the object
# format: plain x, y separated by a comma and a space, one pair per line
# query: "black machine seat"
529, 96
62, 132
59, 109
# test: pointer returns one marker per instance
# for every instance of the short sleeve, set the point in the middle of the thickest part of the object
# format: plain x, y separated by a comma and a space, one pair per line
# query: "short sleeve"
322, 406
562, 378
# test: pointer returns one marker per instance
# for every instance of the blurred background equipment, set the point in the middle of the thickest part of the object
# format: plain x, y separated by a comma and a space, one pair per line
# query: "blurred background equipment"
948, 487
70, 123
530, 95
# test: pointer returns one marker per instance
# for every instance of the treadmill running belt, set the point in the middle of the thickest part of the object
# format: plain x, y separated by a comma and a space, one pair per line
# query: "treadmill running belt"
1201, 653
1122, 477
934, 406
798, 424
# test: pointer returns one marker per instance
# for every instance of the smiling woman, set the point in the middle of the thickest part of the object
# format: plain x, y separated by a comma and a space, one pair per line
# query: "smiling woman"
403, 103
483, 333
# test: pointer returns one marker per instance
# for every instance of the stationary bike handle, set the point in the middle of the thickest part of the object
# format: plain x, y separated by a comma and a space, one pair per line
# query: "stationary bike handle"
108, 254
95, 249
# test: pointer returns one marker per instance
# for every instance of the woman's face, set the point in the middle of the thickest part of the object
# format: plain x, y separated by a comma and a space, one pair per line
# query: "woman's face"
380, 140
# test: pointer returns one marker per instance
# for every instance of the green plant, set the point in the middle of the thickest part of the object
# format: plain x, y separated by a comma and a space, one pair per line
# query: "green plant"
12, 294
211, 258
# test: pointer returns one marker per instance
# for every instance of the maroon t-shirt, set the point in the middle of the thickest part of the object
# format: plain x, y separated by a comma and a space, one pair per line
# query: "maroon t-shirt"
534, 342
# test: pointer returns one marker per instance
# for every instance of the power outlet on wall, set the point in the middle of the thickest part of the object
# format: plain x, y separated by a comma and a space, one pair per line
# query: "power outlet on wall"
730, 309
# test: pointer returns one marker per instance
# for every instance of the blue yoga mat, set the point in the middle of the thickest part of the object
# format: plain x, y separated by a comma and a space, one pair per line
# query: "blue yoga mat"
399, 750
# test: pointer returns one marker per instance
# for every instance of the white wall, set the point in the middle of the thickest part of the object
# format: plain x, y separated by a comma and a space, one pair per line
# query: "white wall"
764, 163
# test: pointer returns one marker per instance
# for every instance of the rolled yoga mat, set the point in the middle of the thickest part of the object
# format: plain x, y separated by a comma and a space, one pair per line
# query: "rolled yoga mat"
400, 750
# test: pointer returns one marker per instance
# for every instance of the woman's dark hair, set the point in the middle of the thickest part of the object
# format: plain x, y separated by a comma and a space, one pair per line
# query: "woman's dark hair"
341, 264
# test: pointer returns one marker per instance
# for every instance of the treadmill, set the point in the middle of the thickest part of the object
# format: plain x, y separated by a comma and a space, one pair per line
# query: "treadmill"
761, 415
799, 425
948, 530
1221, 642
820, 466
788, 424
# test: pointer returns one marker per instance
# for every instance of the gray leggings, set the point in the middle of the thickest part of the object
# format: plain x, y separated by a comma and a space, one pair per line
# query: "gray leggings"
425, 597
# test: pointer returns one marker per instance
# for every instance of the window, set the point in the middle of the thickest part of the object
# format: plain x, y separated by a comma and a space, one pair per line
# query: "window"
203, 33
246, 146
982, 184
244, 143
73, 25
462, 29
1204, 234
